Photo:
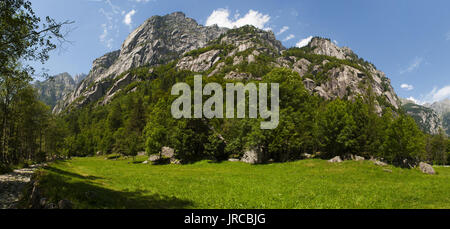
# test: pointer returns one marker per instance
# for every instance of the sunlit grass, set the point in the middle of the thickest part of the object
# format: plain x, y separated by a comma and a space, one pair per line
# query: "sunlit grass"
99, 183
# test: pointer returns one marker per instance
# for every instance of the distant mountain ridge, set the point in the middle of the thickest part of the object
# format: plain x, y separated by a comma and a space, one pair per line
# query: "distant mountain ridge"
57, 87
430, 117
328, 70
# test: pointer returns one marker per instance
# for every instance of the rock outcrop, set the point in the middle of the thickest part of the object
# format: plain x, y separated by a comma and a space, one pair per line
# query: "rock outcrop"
219, 51
426, 168
426, 118
158, 40
57, 88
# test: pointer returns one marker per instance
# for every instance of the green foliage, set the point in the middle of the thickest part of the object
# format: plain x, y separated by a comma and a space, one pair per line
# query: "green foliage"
403, 140
306, 184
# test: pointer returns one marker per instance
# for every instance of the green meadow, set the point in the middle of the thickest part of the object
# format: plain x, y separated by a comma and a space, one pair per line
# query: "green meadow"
95, 182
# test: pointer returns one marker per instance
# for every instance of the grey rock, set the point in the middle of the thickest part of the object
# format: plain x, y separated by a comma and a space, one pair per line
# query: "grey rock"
200, 64
426, 168
65, 204
175, 161
252, 157
357, 158
43, 202
167, 152
379, 163
233, 160
336, 159
57, 87
328, 48
154, 158
159, 39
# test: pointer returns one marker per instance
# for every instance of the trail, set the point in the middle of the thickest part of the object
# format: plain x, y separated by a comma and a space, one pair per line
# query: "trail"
12, 185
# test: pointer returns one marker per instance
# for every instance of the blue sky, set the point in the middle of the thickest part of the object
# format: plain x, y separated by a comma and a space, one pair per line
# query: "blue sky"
409, 40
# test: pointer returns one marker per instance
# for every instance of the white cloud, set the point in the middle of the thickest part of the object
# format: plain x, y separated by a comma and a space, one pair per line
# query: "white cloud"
104, 37
221, 17
435, 95
282, 30
407, 87
413, 66
127, 20
448, 36
110, 28
414, 100
289, 37
304, 42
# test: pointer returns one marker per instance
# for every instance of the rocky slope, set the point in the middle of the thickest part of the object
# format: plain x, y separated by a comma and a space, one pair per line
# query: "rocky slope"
244, 53
426, 118
442, 108
158, 40
56, 88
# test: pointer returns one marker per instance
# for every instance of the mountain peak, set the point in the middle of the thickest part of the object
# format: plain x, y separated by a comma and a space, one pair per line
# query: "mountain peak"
324, 46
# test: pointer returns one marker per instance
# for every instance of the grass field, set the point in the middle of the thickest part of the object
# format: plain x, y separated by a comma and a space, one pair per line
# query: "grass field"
99, 183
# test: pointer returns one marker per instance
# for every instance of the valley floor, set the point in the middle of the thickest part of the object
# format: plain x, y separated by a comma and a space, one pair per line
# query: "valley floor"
99, 183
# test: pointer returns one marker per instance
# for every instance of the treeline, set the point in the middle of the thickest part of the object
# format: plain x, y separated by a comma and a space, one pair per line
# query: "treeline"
26, 123
141, 120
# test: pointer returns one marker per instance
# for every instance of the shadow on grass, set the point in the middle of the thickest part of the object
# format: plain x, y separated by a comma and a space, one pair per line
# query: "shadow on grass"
73, 175
85, 194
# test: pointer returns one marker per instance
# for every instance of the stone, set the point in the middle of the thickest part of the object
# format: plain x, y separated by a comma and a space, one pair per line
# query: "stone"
251, 157
233, 160
426, 168
167, 152
51, 206
154, 158
43, 202
308, 156
160, 39
65, 204
379, 163
357, 158
387, 170
145, 162
336, 159
175, 161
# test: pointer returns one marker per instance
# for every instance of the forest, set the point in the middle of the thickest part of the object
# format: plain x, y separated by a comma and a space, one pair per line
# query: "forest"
139, 119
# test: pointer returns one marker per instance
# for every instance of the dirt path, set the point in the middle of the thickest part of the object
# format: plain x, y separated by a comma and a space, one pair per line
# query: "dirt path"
12, 184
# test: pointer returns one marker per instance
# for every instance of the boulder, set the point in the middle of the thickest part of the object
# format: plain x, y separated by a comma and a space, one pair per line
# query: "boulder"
167, 152
51, 206
43, 202
252, 157
308, 156
379, 163
426, 168
65, 204
175, 161
145, 162
357, 158
233, 159
336, 159
154, 158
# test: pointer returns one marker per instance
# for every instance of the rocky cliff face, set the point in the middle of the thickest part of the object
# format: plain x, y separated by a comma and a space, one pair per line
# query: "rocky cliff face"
158, 40
426, 118
442, 108
328, 71
56, 88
